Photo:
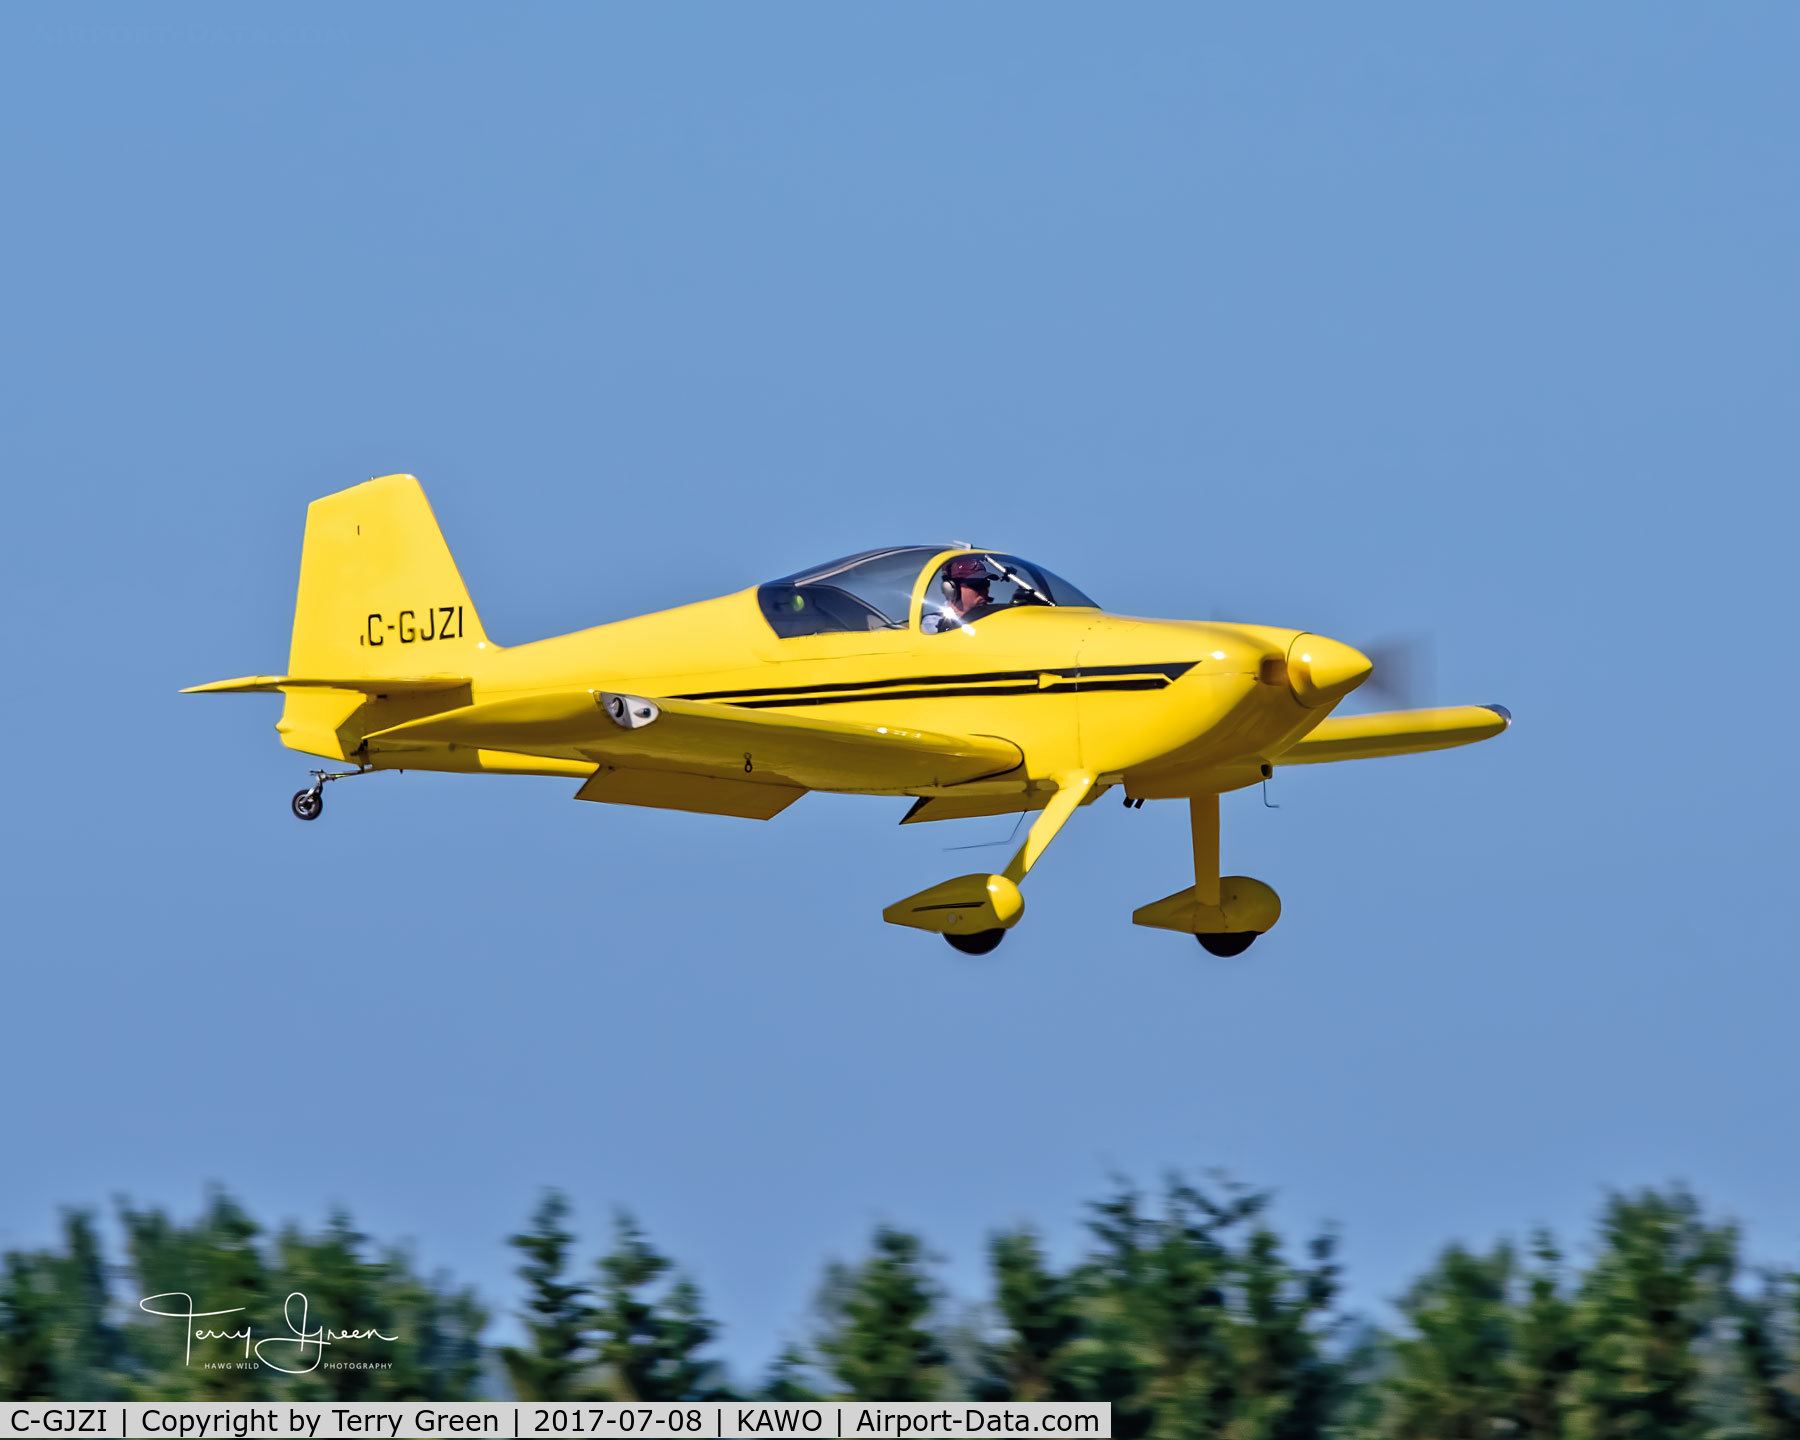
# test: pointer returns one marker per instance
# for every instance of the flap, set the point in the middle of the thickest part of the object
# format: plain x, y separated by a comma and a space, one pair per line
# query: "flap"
705, 737
1396, 732
704, 794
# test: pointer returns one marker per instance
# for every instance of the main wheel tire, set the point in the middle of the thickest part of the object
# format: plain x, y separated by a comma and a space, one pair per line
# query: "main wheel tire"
1235, 942
979, 943
308, 804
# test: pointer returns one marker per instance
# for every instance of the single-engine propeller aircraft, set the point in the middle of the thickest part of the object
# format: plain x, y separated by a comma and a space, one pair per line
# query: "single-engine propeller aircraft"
973, 681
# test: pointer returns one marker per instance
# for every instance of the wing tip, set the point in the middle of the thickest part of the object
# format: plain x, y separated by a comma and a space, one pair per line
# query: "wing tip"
1502, 712
242, 685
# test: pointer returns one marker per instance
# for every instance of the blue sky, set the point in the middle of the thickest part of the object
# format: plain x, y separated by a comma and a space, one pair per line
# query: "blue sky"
1478, 323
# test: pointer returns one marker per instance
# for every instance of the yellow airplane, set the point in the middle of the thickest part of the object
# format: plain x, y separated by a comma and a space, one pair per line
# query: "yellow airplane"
973, 681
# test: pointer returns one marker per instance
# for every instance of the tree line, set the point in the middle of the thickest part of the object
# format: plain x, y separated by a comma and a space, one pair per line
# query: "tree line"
1187, 1311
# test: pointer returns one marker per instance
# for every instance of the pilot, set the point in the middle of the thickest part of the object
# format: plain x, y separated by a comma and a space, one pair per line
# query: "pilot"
965, 586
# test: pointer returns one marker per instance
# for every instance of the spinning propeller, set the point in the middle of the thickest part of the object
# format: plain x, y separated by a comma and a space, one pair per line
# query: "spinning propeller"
1404, 676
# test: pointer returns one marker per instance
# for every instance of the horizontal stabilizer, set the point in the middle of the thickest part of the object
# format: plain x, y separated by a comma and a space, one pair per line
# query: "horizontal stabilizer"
1396, 732
366, 684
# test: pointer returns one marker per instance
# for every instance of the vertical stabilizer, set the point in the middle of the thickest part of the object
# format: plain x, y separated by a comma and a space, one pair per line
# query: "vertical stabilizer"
379, 593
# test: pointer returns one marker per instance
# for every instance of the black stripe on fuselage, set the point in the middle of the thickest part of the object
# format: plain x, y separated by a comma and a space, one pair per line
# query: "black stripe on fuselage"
945, 694
926, 687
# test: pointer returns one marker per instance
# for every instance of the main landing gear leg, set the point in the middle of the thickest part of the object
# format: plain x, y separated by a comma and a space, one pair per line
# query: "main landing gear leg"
310, 804
974, 912
1203, 824
1225, 914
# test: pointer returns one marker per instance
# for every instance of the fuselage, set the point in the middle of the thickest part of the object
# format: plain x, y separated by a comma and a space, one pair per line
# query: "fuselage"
1074, 688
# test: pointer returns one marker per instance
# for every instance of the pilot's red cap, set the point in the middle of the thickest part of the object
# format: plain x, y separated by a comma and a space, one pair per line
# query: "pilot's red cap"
968, 570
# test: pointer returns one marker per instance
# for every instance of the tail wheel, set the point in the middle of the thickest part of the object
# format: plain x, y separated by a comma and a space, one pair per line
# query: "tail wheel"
1234, 943
309, 804
980, 943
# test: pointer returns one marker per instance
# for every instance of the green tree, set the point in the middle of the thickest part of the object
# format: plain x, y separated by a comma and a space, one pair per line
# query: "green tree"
880, 1344
60, 1337
1546, 1346
345, 1291
91, 1351
1162, 1288
1661, 1276
1041, 1318
1364, 1363
440, 1328
1286, 1386
1768, 1374
218, 1263
27, 1328
425, 1337
557, 1316
57, 1336
1158, 1288
788, 1378
1195, 1322
648, 1345
1452, 1375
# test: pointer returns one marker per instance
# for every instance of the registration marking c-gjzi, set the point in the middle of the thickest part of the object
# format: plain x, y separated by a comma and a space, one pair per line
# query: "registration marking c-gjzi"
440, 622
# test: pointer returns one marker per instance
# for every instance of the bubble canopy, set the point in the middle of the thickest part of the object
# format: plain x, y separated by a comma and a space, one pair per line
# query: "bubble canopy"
874, 590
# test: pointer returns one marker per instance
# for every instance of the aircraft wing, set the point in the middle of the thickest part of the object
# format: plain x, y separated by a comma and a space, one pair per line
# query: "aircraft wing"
630, 732
1396, 732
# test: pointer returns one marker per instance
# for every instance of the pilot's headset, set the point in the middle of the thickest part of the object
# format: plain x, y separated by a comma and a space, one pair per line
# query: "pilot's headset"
963, 570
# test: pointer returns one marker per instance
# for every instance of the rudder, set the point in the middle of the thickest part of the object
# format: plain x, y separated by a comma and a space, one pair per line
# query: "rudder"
380, 594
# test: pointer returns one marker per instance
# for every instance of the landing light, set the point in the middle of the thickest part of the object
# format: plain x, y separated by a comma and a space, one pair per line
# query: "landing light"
1218, 654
